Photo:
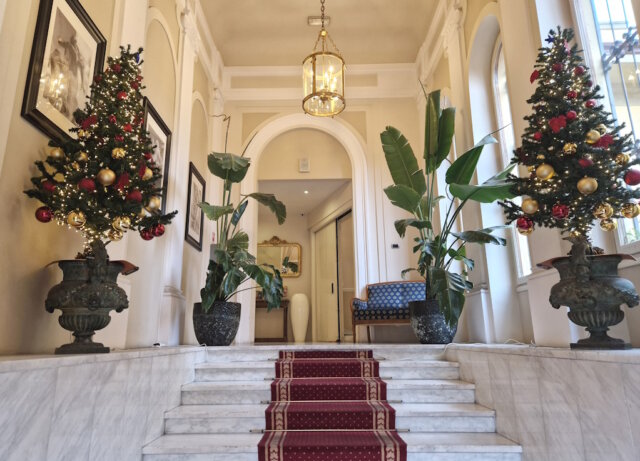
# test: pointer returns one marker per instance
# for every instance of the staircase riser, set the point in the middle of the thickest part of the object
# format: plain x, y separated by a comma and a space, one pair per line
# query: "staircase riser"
230, 396
257, 355
410, 457
413, 423
246, 374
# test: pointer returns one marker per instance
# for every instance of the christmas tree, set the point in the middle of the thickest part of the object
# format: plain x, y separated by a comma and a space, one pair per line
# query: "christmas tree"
105, 182
578, 159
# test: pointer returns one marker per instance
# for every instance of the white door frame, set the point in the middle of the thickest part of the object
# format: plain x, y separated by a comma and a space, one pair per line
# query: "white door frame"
366, 255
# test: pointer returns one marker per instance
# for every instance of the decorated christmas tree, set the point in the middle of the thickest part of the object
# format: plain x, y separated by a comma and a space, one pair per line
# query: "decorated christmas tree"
580, 162
105, 182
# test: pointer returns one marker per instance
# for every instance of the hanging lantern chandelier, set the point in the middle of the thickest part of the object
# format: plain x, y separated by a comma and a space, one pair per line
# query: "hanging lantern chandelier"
323, 76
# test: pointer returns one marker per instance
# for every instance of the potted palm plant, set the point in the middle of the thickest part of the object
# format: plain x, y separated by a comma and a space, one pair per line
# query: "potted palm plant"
216, 319
438, 246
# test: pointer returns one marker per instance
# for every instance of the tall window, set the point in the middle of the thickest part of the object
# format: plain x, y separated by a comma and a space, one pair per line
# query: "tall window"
507, 145
617, 34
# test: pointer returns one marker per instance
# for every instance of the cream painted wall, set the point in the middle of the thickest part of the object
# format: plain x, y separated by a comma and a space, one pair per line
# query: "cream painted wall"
327, 157
169, 12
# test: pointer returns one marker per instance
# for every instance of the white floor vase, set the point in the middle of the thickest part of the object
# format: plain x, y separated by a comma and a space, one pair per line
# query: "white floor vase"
299, 316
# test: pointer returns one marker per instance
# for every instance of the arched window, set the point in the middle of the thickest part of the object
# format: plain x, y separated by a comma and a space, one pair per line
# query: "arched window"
508, 144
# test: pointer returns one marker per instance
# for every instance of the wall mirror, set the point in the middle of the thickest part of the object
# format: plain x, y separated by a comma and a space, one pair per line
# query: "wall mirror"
274, 251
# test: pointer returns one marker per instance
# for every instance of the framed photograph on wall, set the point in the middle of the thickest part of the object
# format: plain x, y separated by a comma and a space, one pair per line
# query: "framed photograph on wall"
68, 50
195, 215
160, 135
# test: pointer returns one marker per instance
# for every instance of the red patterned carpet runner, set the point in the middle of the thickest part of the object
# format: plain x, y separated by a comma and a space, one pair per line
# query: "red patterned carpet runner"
330, 406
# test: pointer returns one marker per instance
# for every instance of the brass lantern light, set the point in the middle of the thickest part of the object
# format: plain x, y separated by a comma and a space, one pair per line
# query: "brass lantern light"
323, 77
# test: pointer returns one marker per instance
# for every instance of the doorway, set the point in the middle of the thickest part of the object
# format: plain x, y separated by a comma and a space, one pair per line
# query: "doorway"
335, 279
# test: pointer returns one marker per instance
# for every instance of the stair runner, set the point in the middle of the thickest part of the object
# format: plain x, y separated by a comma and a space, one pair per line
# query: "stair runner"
329, 406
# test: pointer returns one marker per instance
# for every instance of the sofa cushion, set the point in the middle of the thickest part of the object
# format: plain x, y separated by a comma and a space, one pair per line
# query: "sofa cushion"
396, 313
394, 295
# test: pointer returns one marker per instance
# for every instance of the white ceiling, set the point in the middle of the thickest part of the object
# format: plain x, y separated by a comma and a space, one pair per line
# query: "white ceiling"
275, 32
291, 193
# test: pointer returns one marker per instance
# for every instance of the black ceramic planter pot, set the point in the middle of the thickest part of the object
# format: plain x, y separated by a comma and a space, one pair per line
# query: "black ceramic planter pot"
593, 291
85, 296
219, 326
428, 323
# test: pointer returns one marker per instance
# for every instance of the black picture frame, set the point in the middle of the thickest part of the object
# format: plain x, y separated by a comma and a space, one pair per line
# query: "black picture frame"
157, 129
192, 206
55, 119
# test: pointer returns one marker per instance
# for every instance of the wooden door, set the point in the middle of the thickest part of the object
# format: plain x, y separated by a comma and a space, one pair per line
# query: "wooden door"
326, 284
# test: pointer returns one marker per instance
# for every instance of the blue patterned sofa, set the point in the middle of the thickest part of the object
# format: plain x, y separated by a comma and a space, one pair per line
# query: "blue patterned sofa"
387, 303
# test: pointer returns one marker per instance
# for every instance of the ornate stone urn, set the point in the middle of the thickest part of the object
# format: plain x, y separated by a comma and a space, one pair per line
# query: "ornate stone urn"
86, 295
593, 291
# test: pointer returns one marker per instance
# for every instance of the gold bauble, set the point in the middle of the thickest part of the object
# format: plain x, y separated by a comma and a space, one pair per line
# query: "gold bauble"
59, 177
593, 136
56, 152
575, 233
82, 157
529, 206
531, 168
603, 211
76, 219
115, 235
148, 174
587, 185
75, 166
154, 203
525, 231
602, 128
540, 157
121, 223
545, 171
608, 224
106, 177
622, 159
630, 210
570, 148
82, 133
118, 153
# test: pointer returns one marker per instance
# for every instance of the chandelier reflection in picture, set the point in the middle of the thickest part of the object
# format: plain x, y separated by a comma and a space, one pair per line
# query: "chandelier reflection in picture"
323, 76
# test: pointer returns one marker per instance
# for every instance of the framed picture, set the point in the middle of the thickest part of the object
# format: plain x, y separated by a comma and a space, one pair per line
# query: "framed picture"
68, 50
195, 215
160, 135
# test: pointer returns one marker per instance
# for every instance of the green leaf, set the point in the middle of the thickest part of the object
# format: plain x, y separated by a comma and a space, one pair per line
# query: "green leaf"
404, 273
401, 160
238, 212
448, 288
461, 171
240, 241
460, 255
424, 204
403, 197
232, 280
480, 236
432, 122
402, 224
270, 201
229, 167
215, 212
495, 188
446, 130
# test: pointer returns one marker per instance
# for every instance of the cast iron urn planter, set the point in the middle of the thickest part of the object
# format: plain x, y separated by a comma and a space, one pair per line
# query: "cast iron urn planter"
218, 326
86, 295
427, 321
593, 291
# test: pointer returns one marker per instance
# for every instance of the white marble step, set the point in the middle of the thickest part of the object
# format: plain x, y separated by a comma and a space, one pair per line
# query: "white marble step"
397, 369
405, 390
420, 447
417, 417
253, 353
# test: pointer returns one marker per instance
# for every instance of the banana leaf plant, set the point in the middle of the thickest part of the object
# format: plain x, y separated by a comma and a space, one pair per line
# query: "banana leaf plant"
414, 190
232, 264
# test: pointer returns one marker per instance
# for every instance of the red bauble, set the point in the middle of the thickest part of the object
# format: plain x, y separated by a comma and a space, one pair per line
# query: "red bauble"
534, 76
557, 67
560, 211
116, 67
135, 85
48, 186
578, 71
119, 138
591, 103
142, 169
139, 78
97, 78
589, 83
572, 94
134, 196
632, 177
123, 181
585, 162
89, 121
128, 128
537, 136
605, 141
558, 123
87, 185
158, 230
112, 118
146, 234
44, 214
572, 115
122, 95
524, 223
148, 155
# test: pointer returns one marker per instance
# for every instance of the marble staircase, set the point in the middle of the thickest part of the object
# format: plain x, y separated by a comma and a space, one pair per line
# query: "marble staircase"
222, 411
